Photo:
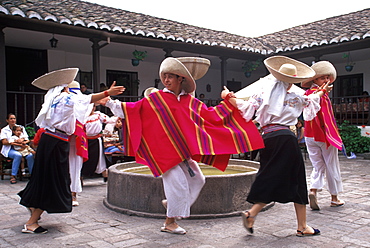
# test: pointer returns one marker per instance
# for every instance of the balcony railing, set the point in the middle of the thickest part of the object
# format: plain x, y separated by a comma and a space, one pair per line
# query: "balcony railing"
353, 109
26, 105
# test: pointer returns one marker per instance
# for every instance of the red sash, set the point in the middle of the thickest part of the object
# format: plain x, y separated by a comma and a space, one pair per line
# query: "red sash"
323, 127
81, 141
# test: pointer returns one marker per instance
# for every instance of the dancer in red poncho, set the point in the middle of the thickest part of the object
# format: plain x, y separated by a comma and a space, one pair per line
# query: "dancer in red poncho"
170, 130
323, 139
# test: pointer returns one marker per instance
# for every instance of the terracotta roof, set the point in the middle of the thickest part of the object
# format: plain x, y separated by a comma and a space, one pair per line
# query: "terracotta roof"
79, 13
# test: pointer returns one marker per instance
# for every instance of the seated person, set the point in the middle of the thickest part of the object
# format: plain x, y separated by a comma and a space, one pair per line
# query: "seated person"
113, 140
20, 144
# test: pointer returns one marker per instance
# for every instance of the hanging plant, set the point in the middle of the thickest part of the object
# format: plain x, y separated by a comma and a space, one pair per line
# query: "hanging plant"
138, 56
349, 65
249, 66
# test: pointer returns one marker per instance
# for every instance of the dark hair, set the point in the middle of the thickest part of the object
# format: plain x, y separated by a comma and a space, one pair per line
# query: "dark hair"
14, 128
8, 115
301, 121
365, 93
83, 84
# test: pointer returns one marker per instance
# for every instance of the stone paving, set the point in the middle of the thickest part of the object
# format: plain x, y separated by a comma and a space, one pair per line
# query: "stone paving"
93, 225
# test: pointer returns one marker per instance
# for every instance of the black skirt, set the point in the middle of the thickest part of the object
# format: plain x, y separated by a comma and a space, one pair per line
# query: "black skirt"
49, 185
282, 176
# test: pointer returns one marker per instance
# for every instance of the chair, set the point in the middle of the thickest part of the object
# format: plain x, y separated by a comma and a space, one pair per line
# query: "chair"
6, 167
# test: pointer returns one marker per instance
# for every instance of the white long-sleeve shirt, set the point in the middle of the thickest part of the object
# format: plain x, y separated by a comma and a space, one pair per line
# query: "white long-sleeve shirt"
286, 113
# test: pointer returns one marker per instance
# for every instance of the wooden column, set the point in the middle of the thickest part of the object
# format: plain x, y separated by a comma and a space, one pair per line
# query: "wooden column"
96, 62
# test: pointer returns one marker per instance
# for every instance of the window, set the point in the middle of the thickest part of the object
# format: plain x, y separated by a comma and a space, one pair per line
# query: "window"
124, 78
349, 85
23, 66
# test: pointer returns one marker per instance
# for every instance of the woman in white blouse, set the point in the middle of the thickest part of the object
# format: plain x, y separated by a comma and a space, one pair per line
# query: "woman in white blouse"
281, 177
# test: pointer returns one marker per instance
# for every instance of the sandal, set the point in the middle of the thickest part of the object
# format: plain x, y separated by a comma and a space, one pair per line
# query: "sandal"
13, 180
313, 202
74, 201
245, 218
177, 230
303, 234
337, 203
38, 230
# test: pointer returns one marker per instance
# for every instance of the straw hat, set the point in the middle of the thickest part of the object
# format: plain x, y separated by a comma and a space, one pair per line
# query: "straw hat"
321, 68
191, 66
197, 67
149, 90
74, 85
55, 78
288, 70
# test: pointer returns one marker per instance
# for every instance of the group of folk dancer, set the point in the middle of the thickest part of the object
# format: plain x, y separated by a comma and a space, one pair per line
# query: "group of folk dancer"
170, 131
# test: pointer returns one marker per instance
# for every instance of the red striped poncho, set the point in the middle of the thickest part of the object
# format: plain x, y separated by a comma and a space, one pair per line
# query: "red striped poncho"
161, 131
323, 127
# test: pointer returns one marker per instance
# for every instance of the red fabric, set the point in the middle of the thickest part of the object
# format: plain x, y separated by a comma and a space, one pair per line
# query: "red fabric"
323, 127
81, 141
37, 137
161, 131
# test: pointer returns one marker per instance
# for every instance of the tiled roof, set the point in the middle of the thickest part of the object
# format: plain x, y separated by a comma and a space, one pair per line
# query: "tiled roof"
352, 26
79, 13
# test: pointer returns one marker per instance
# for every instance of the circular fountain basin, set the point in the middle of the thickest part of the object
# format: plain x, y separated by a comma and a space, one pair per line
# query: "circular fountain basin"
133, 191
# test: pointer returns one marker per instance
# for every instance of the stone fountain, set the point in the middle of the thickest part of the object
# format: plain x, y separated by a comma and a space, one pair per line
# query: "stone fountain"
134, 193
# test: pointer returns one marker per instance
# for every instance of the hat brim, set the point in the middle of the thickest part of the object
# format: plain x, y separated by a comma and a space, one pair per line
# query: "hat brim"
55, 78
174, 66
197, 66
321, 68
274, 63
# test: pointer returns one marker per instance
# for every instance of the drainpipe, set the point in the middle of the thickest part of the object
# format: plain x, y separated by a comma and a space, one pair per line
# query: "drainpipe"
96, 61
3, 99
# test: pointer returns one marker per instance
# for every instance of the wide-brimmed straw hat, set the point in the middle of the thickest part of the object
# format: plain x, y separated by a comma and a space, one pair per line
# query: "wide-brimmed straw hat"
74, 85
321, 68
191, 66
288, 70
55, 78
149, 90
197, 66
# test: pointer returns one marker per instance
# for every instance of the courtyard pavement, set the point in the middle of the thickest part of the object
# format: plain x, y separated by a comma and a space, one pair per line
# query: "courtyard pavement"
93, 225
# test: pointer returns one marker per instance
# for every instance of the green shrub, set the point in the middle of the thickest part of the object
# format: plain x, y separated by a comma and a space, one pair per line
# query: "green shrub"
31, 132
352, 139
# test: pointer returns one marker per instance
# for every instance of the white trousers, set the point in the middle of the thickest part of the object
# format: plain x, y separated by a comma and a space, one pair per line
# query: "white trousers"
75, 166
181, 189
324, 161
102, 165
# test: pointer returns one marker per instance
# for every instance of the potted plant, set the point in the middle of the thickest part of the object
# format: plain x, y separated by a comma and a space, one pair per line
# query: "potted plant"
249, 66
138, 56
350, 63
